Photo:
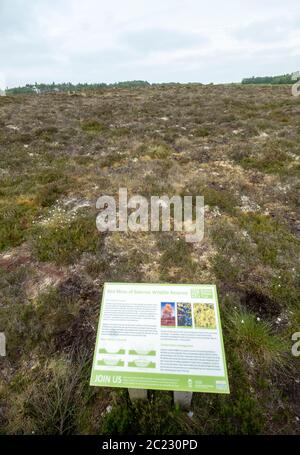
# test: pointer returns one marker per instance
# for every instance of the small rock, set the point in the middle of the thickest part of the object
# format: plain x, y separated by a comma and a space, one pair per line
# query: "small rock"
13, 127
263, 135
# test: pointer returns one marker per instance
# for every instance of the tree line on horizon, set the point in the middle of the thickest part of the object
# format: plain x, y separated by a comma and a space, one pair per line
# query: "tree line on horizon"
281, 79
69, 87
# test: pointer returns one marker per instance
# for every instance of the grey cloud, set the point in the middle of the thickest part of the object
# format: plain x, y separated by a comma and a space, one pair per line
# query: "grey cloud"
29, 53
16, 16
156, 39
267, 31
21, 39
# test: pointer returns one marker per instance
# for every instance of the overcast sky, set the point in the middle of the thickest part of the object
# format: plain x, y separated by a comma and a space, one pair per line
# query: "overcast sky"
155, 40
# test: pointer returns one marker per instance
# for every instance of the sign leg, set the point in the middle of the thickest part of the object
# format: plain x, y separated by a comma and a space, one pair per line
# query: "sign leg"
137, 394
183, 399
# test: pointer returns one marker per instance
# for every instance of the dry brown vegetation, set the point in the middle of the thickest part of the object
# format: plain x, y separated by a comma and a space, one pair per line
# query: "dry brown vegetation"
236, 145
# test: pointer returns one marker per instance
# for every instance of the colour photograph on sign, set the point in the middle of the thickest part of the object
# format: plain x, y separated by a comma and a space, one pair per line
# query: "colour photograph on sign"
160, 336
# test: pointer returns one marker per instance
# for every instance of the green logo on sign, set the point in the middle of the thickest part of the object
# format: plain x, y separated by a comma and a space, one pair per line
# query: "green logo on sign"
201, 293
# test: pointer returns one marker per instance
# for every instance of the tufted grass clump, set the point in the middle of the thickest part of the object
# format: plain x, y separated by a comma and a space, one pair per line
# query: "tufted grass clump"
50, 399
255, 341
64, 242
154, 416
32, 323
271, 161
15, 223
93, 127
275, 244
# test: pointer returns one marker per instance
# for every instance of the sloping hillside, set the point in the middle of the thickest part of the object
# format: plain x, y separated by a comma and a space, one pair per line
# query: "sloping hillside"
236, 145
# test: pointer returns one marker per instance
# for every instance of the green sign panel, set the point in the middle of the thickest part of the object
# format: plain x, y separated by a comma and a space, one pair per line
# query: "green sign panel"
160, 336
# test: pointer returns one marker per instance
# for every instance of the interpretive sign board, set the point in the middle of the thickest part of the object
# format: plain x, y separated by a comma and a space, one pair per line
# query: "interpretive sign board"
160, 336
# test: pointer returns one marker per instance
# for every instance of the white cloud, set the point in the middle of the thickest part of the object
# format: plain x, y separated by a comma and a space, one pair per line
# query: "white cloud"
92, 40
